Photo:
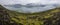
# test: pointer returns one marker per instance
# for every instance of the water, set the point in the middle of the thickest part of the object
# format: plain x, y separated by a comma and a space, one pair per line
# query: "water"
30, 10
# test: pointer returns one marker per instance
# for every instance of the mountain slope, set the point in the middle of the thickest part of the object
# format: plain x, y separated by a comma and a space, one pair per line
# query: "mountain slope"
41, 18
4, 16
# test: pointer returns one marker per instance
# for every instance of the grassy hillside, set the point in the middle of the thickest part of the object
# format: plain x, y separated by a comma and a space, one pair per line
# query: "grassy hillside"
50, 17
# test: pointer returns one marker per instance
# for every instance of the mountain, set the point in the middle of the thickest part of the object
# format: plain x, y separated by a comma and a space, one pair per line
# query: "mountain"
41, 5
30, 5
29, 8
35, 5
5, 17
14, 5
50, 17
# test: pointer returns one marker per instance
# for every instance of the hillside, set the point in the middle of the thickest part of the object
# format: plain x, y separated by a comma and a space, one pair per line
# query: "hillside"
50, 17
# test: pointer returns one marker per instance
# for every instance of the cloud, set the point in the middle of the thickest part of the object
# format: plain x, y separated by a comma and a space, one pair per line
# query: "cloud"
30, 10
28, 1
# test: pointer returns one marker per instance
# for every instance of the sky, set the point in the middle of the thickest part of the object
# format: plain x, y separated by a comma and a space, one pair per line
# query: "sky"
30, 10
6, 2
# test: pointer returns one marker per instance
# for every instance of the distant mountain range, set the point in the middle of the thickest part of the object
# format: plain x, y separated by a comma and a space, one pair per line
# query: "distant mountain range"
30, 5
27, 5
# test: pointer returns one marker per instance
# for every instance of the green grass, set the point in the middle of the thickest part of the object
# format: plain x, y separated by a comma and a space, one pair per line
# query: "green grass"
31, 18
24, 18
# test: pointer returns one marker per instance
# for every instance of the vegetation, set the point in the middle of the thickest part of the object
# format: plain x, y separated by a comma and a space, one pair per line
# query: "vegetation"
50, 17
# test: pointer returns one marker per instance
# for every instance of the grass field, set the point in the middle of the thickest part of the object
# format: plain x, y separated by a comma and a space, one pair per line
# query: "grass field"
40, 18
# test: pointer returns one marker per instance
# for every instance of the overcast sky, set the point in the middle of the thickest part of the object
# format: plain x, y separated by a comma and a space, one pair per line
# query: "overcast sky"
28, 1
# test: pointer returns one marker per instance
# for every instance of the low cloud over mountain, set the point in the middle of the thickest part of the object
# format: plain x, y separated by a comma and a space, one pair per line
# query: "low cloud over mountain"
31, 7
